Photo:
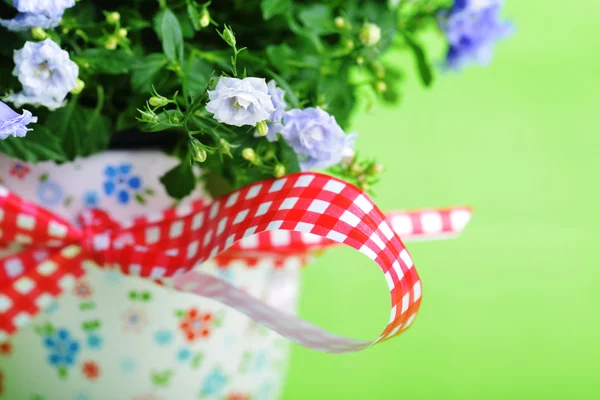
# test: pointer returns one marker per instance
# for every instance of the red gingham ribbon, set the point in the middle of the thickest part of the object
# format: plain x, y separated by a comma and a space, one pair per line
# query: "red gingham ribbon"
49, 253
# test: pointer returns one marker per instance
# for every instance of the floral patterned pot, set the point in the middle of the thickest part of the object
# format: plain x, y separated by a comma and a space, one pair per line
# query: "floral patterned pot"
120, 337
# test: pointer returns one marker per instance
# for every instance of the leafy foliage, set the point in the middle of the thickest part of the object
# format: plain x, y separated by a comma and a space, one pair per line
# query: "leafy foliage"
169, 49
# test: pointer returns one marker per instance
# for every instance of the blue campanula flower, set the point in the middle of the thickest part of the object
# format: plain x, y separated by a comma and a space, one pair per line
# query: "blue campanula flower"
240, 102
37, 13
46, 73
13, 124
316, 137
278, 99
472, 27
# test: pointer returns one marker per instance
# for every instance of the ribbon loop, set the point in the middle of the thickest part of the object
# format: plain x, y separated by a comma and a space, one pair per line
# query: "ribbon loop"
303, 212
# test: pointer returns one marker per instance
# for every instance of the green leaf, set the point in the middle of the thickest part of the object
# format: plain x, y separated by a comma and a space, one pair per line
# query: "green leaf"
179, 181
288, 157
145, 71
197, 76
423, 64
171, 35
194, 16
271, 8
318, 19
338, 96
102, 61
83, 131
38, 145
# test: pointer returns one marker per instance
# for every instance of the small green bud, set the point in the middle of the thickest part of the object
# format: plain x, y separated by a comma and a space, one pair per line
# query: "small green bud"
269, 155
262, 128
113, 17
158, 101
204, 18
225, 146
39, 34
228, 36
111, 43
356, 170
122, 32
249, 154
378, 69
360, 60
370, 34
349, 44
375, 169
198, 151
381, 86
149, 116
340, 22
79, 85
279, 171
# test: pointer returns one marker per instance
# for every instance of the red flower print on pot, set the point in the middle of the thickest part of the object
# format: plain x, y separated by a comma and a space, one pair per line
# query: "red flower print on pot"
237, 396
5, 348
83, 290
91, 370
20, 170
196, 325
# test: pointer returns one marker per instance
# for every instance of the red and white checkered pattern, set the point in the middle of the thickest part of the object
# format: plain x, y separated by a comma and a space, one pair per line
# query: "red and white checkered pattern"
54, 253
409, 225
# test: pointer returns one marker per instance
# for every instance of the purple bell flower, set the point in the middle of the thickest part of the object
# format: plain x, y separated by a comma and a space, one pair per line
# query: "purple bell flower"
13, 123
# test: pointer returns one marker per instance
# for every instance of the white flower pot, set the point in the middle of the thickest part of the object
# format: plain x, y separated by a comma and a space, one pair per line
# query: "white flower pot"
119, 337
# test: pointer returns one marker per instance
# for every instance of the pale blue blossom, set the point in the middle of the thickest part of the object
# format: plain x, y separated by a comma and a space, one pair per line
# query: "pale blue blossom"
278, 98
472, 27
13, 123
316, 138
240, 102
46, 73
37, 13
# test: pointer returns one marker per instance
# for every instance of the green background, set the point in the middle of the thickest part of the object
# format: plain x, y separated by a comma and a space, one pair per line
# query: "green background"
509, 309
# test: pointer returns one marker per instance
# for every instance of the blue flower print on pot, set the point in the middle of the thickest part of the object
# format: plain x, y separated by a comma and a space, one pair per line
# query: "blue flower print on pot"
49, 193
121, 183
63, 349
91, 199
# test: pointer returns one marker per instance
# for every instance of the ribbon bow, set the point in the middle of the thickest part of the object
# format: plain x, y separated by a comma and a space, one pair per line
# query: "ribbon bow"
47, 253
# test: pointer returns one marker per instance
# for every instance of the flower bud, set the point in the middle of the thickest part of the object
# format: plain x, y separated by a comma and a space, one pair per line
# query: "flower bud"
380, 86
79, 85
262, 128
111, 43
279, 171
149, 116
228, 36
340, 22
375, 169
225, 146
378, 69
198, 151
249, 154
370, 34
158, 101
113, 17
204, 18
349, 44
122, 33
39, 34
